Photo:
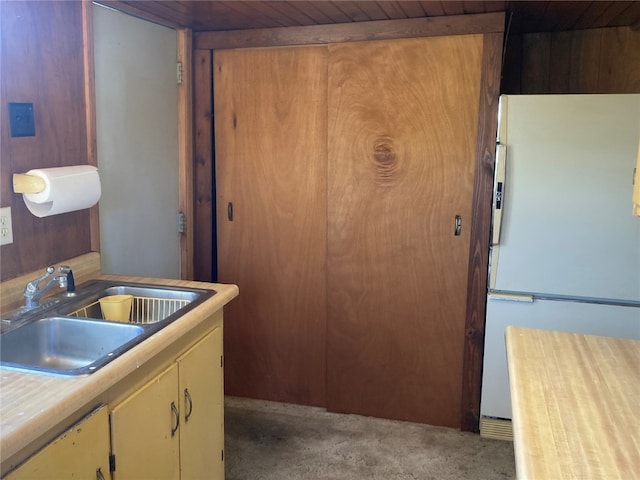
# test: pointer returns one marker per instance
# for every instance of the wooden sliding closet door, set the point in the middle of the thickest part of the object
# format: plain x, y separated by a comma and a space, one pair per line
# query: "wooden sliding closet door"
403, 117
270, 113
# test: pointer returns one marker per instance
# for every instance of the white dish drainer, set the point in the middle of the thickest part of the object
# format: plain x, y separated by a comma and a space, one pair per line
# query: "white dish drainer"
143, 309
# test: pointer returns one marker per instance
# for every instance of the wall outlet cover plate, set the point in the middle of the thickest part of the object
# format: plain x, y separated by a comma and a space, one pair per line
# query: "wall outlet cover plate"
6, 226
21, 120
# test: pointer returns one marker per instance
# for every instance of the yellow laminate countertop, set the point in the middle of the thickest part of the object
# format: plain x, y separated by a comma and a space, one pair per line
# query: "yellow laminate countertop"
33, 404
576, 405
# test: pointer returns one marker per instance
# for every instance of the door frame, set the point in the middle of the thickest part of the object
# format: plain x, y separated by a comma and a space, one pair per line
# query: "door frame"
492, 27
186, 176
184, 55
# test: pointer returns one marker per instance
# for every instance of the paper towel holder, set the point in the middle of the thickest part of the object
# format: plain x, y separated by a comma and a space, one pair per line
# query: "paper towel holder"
25, 183
56, 190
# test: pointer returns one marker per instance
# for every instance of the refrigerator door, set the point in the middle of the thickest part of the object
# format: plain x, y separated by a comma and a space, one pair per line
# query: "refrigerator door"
594, 319
566, 226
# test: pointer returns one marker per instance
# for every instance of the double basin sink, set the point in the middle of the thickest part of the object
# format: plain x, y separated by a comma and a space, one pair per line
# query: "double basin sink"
67, 335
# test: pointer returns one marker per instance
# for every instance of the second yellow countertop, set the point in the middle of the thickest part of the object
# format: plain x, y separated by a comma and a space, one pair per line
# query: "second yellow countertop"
576, 404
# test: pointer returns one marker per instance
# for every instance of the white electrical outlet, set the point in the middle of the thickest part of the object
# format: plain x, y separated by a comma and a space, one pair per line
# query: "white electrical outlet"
6, 228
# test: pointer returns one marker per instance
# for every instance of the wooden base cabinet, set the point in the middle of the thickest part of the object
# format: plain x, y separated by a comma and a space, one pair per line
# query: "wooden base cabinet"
80, 452
172, 427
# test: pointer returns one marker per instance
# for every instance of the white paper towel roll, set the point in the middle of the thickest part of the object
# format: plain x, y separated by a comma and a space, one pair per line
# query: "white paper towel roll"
66, 189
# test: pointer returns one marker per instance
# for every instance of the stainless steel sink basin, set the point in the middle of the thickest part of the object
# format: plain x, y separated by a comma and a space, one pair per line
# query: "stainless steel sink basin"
68, 335
150, 304
66, 346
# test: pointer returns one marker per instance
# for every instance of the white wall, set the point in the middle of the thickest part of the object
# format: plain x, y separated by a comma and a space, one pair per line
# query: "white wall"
136, 119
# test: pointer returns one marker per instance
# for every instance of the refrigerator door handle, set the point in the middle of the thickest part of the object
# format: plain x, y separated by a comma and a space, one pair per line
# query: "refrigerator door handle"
498, 192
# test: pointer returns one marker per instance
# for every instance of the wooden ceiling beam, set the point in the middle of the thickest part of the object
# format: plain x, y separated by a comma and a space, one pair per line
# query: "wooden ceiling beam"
351, 32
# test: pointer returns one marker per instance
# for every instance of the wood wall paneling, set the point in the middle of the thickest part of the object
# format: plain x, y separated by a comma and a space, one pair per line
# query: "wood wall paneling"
602, 60
511, 65
480, 233
559, 68
620, 60
204, 188
90, 111
535, 61
402, 121
270, 137
42, 62
584, 62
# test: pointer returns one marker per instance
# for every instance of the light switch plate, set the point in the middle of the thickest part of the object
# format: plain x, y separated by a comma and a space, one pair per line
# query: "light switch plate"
21, 120
6, 227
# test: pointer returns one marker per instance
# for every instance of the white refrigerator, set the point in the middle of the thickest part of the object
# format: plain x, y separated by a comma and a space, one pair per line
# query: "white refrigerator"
565, 249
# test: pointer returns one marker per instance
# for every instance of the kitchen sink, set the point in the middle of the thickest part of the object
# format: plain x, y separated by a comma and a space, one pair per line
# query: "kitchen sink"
66, 346
150, 304
68, 335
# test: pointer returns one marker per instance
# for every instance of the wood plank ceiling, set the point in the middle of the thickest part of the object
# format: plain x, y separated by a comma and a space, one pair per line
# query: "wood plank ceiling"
528, 16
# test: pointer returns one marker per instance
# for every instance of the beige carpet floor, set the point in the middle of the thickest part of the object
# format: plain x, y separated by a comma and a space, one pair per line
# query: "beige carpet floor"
275, 441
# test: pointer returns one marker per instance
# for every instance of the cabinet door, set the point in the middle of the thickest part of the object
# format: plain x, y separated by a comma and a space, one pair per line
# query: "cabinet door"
141, 431
403, 117
270, 137
78, 453
201, 422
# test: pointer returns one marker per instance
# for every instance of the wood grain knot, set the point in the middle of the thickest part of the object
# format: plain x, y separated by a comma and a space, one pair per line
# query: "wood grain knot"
384, 158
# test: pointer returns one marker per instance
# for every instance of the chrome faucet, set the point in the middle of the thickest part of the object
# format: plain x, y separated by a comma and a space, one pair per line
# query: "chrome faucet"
33, 293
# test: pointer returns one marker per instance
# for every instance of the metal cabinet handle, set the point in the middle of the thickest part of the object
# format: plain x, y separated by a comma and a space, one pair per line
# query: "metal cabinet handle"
457, 225
230, 211
176, 416
99, 475
187, 398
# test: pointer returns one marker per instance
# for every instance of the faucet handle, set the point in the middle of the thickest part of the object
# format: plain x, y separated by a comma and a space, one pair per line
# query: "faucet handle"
32, 286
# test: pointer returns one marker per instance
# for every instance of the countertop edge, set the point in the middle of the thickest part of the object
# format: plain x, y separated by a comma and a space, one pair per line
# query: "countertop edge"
519, 445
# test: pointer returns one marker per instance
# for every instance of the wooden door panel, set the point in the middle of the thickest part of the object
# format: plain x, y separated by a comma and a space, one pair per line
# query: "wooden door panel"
270, 133
401, 148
